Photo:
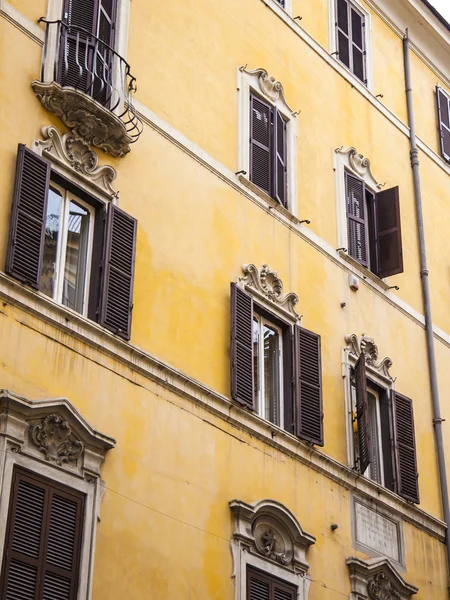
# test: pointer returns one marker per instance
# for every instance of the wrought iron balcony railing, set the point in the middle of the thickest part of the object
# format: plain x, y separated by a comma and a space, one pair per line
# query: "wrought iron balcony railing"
76, 60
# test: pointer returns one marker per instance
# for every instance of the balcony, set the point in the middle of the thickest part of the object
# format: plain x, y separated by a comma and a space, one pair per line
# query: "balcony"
89, 87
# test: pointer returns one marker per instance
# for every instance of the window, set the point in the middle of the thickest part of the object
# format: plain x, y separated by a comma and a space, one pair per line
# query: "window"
268, 149
60, 245
350, 38
262, 586
268, 369
382, 424
275, 364
443, 105
43, 543
373, 227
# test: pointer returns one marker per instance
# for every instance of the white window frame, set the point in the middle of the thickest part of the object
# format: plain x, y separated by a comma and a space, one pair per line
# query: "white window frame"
286, 8
67, 198
261, 408
348, 159
82, 475
367, 40
259, 82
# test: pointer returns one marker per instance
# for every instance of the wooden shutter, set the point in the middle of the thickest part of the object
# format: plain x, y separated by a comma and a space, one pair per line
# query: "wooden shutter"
262, 586
362, 414
280, 159
27, 227
405, 448
308, 381
43, 540
444, 121
358, 53
242, 384
390, 252
261, 119
358, 246
343, 32
118, 272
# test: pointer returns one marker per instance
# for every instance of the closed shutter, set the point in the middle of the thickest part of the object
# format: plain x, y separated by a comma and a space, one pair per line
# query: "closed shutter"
405, 447
118, 272
242, 384
358, 246
262, 586
308, 381
358, 53
390, 252
343, 32
43, 541
362, 414
29, 207
261, 118
280, 159
444, 121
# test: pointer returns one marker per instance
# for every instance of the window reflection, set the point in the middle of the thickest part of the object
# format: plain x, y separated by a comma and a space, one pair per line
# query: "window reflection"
52, 235
76, 254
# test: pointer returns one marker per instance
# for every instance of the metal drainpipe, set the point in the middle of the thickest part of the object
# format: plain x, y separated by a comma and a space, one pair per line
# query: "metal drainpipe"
437, 420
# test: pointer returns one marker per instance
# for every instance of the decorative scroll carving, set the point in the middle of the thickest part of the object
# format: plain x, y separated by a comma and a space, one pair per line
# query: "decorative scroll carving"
91, 122
366, 345
359, 164
268, 86
53, 436
273, 543
75, 154
266, 282
380, 588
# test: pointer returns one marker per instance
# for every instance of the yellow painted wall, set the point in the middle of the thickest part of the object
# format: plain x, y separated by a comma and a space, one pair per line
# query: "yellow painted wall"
165, 523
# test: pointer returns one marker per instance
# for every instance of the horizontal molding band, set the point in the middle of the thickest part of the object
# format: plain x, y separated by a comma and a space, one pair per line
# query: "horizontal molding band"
106, 345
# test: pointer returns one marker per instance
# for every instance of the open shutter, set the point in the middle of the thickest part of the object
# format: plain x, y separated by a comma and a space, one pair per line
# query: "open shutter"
261, 143
29, 206
308, 381
444, 121
389, 232
242, 385
280, 159
343, 32
362, 414
356, 219
118, 272
405, 448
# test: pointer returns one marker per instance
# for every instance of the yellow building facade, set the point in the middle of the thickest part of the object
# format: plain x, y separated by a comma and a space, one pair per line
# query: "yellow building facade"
214, 359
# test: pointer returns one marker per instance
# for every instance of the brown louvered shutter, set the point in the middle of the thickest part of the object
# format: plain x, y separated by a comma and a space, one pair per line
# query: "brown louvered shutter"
242, 384
43, 540
118, 272
390, 252
343, 32
358, 53
261, 162
29, 207
362, 414
263, 586
308, 383
444, 121
405, 448
356, 219
280, 159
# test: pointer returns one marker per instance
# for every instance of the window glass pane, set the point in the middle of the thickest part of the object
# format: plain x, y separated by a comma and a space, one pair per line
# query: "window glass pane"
374, 469
357, 33
256, 362
52, 235
271, 374
443, 105
76, 256
344, 55
358, 63
342, 15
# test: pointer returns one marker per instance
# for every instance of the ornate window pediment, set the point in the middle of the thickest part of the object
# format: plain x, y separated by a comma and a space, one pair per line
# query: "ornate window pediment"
359, 164
268, 86
377, 579
267, 288
366, 345
267, 536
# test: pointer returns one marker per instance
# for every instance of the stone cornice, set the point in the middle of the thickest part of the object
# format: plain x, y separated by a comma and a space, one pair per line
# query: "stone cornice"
100, 345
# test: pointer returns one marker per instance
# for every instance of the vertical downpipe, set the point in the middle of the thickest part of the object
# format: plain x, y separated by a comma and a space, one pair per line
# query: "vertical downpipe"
437, 420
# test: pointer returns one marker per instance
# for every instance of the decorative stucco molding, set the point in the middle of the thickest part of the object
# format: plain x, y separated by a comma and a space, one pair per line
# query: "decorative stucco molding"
268, 86
366, 345
360, 165
89, 121
377, 579
53, 430
269, 529
72, 154
54, 438
266, 284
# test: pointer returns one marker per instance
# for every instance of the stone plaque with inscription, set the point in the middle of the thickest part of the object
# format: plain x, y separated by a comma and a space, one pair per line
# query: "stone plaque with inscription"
377, 532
